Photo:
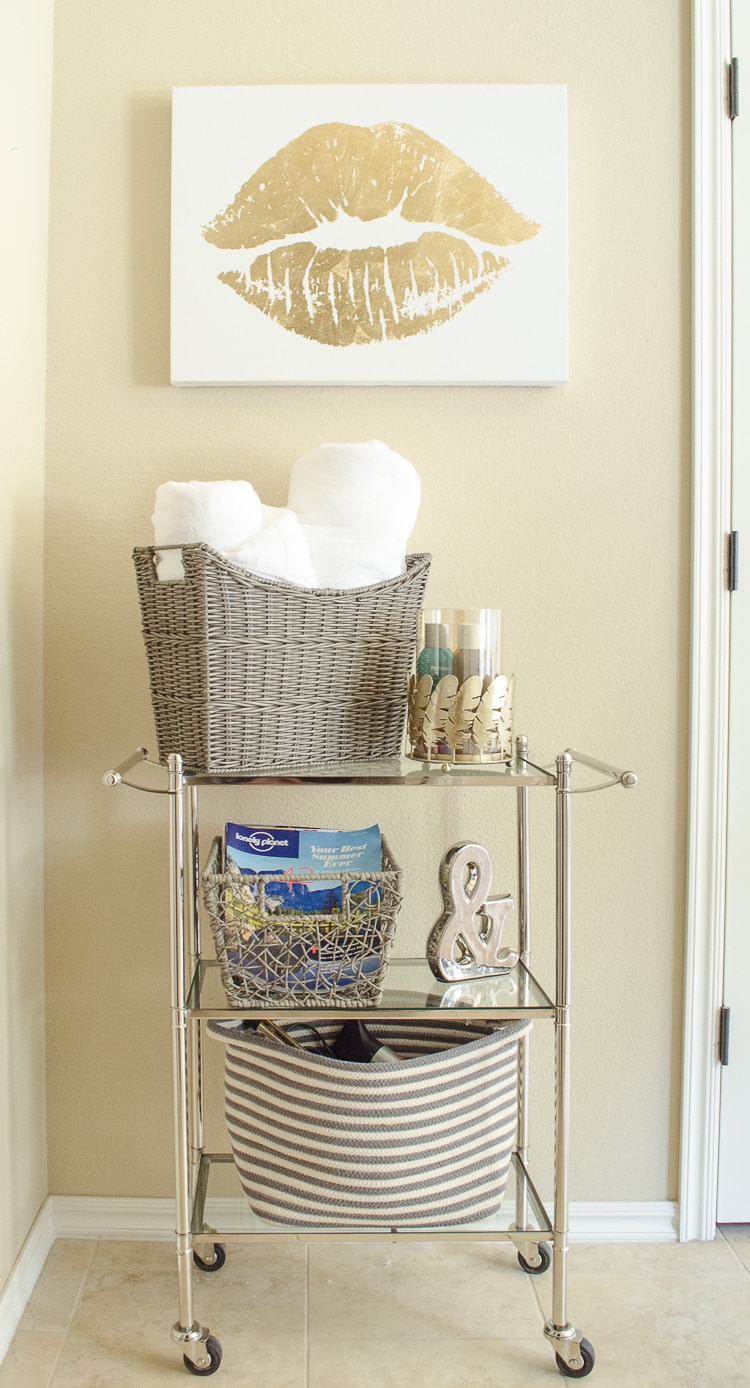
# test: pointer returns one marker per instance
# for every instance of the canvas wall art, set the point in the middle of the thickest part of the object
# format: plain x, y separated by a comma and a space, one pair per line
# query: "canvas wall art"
369, 235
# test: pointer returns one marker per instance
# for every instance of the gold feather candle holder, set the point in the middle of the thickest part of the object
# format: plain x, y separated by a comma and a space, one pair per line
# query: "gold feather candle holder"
460, 703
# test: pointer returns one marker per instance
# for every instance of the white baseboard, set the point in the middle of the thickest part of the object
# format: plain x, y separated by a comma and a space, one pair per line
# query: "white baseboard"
115, 1217
624, 1221
22, 1280
88, 1217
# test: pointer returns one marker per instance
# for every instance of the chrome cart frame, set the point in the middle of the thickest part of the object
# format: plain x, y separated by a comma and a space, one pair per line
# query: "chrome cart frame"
196, 995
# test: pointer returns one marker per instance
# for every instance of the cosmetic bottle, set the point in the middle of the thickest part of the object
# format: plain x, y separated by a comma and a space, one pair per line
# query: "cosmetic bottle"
355, 1042
469, 659
436, 657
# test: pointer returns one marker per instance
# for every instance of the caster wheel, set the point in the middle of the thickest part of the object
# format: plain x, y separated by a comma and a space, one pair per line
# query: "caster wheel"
212, 1350
220, 1258
586, 1351
545, 1256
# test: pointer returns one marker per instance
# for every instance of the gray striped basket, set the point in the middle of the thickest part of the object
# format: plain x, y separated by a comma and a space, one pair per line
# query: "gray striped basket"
252, 674
328, 1144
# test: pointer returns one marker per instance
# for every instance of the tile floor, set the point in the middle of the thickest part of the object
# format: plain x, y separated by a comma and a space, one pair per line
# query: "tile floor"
410, 1315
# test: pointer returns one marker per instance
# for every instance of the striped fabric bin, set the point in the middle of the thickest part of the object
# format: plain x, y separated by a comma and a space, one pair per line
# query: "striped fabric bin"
329, 1144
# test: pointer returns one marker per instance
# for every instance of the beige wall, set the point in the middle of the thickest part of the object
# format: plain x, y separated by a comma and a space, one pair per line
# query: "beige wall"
25, 81
566, 507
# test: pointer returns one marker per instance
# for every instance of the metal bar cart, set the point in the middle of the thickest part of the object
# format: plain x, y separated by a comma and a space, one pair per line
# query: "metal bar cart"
204, 1214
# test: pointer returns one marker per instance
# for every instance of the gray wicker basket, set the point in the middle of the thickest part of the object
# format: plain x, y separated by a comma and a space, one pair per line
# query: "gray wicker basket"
249, 674
301, 961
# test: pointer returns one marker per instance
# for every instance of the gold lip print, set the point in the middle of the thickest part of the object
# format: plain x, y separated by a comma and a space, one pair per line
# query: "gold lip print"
344, 297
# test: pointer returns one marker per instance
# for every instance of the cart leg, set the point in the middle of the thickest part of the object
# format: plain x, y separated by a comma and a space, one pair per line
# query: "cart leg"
533, 1254
524, 879
192, 929
575, 1356
209, 1257
186, 1331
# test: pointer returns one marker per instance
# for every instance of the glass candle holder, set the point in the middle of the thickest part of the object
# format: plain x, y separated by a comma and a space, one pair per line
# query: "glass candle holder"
460, 702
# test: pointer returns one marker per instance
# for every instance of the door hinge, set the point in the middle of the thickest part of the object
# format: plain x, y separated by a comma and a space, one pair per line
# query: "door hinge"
723, 1035
732, 561
734, 88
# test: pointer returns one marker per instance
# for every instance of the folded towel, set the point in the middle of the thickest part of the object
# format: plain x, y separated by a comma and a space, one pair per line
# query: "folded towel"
343, 560
365, 487
278, 550
220, 514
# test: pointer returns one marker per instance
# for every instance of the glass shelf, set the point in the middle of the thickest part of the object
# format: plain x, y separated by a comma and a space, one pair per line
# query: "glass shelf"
399, 772
221, 1209
411, 991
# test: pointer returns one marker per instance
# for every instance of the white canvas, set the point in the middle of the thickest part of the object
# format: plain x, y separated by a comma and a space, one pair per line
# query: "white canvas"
419, 237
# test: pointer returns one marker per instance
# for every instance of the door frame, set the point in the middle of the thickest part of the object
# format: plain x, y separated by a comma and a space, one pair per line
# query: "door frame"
709, 662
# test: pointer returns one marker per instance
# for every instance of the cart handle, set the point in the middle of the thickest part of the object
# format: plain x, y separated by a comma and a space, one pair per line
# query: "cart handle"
114, 777
628, 779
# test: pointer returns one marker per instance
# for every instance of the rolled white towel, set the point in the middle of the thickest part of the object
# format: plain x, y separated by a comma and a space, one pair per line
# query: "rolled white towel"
364, 487
219, 514
343, 560
278, 550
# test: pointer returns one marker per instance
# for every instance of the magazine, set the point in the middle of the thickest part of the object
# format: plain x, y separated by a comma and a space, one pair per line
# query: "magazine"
302, 854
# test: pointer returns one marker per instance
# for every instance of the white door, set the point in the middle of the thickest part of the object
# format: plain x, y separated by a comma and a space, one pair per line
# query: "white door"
734, 1130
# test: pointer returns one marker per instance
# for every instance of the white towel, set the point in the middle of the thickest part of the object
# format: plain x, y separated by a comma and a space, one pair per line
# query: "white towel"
279, 550
351, 509
343, 560
219, 514
364, 487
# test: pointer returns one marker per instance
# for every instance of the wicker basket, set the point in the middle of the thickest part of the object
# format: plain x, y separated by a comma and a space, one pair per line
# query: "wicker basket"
250, 674
327, 1144
300, 961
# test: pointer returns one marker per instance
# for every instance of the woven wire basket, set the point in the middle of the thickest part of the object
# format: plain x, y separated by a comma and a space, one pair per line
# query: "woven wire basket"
249, 674
299, 960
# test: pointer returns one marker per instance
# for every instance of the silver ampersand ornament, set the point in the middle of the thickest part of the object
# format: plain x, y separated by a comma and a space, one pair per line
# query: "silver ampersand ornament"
465, 942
